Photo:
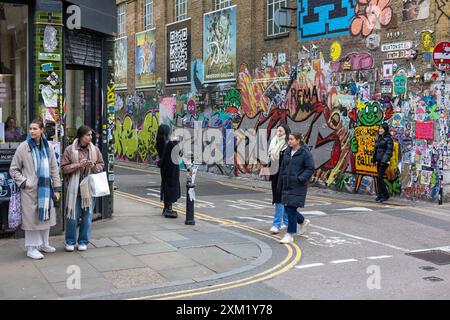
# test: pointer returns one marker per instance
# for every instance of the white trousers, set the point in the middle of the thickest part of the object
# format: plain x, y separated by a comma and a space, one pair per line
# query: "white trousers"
36, 238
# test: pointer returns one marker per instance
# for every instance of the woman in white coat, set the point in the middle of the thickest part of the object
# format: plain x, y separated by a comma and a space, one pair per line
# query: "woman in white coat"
35, 171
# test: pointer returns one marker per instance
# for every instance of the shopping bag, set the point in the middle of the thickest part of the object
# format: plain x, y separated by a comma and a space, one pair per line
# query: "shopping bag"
98, 184
15, 211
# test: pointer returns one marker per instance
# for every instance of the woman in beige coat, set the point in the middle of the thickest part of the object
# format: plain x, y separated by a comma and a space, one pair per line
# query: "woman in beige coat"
35, 171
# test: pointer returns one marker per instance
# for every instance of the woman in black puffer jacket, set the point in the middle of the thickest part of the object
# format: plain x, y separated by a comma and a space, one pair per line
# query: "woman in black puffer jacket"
384, 146
296, 170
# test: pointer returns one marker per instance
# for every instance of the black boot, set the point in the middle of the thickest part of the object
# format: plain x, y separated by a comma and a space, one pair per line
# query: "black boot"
165, 209
171, 214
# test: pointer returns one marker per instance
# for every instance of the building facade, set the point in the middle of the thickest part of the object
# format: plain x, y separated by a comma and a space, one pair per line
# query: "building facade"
56, 62
336, 73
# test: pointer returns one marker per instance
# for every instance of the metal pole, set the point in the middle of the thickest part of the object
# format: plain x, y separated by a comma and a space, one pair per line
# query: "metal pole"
190, 221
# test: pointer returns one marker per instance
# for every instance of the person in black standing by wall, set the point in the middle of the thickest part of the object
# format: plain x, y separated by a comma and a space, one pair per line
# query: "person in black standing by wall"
170, 170
384, 147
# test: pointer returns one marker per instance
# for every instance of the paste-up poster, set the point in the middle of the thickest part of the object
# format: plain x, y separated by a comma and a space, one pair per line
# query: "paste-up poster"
167, 110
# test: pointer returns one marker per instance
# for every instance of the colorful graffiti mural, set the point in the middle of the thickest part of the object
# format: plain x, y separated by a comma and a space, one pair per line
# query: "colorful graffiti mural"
323, 18
338, 106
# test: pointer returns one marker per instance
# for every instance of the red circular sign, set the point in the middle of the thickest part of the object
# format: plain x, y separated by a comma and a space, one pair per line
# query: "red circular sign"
441, 56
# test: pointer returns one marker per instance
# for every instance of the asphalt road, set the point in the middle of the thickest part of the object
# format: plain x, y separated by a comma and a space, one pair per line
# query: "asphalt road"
354, 249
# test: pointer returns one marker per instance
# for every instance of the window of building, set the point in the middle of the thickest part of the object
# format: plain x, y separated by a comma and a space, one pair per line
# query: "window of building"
149, 21
180, 10
13, 73
220, 4
272, 28
121, 21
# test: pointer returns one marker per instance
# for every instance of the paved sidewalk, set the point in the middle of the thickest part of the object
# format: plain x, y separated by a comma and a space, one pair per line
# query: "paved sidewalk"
136, 250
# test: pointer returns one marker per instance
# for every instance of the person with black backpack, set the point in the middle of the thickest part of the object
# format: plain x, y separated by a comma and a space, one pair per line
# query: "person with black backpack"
384, 147
170, 170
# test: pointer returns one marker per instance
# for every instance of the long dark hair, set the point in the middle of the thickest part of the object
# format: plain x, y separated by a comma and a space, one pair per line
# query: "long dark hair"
287, 131
161, 137
82, 131
7, 122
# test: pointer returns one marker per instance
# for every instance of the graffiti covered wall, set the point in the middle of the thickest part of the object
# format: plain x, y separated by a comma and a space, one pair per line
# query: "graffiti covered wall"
336, 90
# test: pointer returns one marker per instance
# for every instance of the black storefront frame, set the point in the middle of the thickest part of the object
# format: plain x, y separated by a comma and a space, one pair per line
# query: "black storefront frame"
103, 72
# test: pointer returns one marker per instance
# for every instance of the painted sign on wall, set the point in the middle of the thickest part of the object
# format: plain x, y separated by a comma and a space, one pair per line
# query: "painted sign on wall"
146, 59
178, 63
219, 45
121, 62
323, 18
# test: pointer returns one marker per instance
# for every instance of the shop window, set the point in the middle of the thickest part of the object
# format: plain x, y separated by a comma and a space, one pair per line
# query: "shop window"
13, 73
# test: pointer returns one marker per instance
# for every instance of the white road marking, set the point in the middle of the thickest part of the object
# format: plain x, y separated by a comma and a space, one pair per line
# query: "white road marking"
356, 209
153, 195
312, 265
361, 238
447, 249
253, 219
313, 213
343, 261
379, 257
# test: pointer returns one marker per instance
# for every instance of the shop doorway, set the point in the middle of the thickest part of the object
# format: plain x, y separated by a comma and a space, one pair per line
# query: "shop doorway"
83, 102
83, 106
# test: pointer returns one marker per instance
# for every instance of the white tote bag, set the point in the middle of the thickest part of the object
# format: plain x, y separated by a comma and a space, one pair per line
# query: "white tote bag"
99, 185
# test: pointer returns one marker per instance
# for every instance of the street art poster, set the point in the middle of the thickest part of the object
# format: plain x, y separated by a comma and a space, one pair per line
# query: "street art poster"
416, 9
219, 45
323, 19
178, 48
167, 110
145, 59
121, 62
366, 138
425, 130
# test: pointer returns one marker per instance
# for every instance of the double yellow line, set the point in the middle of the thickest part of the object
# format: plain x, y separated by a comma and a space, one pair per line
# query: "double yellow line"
292, 259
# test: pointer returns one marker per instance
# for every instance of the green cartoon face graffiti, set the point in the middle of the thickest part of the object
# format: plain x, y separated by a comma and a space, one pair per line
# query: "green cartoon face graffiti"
370, 115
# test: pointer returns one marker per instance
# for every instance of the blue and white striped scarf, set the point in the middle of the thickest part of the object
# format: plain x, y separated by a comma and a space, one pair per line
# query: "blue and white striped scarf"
41, 157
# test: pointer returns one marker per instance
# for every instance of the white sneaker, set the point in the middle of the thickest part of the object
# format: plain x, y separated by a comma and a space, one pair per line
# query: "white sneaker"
34, 253
69, 248
274, 230
283, 226
303, 227
47, 249
82, 247
288, 238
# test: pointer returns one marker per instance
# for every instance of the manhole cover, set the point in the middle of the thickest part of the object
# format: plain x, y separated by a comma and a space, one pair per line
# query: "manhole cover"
438, 257
427, 268
433, 279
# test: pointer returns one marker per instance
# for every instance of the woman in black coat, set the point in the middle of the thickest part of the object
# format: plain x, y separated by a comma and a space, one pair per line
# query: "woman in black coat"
384, 147
170, 171
296, 170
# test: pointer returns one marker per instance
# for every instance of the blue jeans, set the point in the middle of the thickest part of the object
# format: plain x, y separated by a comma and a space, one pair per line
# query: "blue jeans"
85, 227
294, 218
280, 216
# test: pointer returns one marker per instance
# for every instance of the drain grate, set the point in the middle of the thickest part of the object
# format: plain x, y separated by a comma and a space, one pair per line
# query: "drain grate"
438, 257
433, 279
428, 268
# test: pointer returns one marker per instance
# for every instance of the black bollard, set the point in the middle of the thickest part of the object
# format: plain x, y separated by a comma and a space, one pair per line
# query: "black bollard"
190, 221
